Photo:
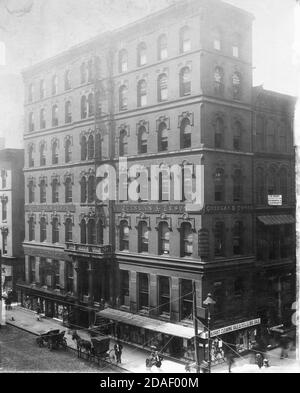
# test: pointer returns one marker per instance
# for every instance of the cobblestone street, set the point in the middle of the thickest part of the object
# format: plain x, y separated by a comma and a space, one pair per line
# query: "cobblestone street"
20, 353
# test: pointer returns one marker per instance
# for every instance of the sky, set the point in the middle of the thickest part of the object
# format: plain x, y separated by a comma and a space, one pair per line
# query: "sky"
54, 25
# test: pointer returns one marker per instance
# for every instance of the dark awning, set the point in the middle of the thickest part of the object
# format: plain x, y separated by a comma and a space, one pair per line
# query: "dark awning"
277, 220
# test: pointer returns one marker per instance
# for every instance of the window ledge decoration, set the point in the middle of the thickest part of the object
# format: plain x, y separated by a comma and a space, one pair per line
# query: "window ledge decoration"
186, 218
162, 119
163, 218
186, 115
142, 123
123, 217
143, 218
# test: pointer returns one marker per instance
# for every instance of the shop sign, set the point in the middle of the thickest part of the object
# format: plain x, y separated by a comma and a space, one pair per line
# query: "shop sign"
275, 200
233, 328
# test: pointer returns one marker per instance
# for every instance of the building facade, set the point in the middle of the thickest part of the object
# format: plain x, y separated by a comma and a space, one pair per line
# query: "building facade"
12, 216
138, 96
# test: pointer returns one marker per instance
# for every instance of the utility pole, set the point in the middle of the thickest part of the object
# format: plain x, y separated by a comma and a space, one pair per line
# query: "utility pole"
196, 338
2, 319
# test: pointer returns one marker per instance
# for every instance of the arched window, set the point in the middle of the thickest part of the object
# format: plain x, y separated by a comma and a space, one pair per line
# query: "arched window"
217, 39
219, 133
84, 105
237, 186
142, 140
68, 151
143, 237
68, 230
83, 73
237, 135
142, 93
219, 232
42, 89
55, 152
219, 185
123, 143
30, 157
238, 246
283, 184
185, 40
162, 87
67, 80
83, 238
91, 189
54, 116
142, 54
68, 190
123, 98
31, 229
271, 136
91, 104
123, 61
43, 192
91, 148
55, 230
260, 186
185, 81
236, 45
92, 236
42, 119
271, 182
30, 93
31, 192
43, 155
31, 122
162, 137
124, 236
236, 85
83, 190
186, 240
219, 80
185, 134
55, 191
164, 238
162, 47
43, 230
54, 85
100, 234
84, 148
68, 112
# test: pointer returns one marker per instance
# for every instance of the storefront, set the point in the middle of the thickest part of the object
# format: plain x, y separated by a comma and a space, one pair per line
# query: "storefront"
171, 339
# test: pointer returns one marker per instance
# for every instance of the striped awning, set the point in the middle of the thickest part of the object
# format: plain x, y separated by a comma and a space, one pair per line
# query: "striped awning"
277, 220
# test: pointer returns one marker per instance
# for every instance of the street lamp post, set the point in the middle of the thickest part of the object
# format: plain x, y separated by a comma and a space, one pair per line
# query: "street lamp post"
209, 301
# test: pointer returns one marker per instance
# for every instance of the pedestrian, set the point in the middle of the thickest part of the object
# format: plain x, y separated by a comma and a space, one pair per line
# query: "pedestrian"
259, 360
118, 351
230, 361
38, 312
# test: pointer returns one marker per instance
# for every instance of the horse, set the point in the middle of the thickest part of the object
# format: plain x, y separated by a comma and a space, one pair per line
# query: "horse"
82, 344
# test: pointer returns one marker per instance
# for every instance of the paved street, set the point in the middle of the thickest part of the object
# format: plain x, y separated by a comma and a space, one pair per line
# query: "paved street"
20, 353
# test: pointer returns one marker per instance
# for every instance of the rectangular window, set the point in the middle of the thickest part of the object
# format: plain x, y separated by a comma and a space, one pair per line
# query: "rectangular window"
56, 275
186, 289
143, 292
124, 279
164, 295
70, 276
4, 211
31, 269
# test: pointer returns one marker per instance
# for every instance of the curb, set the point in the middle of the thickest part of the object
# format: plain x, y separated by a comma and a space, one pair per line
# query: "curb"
73, 349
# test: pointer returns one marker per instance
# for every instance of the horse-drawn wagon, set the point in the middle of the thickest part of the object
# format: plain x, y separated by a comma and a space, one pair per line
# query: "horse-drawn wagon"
53, 339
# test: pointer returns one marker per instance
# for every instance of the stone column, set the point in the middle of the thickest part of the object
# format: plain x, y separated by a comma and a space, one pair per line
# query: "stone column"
133, 291
153, 301
175, 301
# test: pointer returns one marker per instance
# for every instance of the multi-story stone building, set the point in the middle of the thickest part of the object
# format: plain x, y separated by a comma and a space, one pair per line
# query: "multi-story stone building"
180, 93
12, 216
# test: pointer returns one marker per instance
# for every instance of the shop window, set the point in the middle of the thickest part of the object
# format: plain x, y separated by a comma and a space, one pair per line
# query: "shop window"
142, 93
123, 98
219, 234
143, 285
124, 290
142, 140
237, 186
162, 137
142, 54
43, 191
143, 237
164, 295
185, 81
186, 294
43, 230
68, 231
186, 240
124, 236
68, 190
162, 47
219, 179
68, 112
164, 238
185, 40
185, 134
55, 191
42, 119
238, 243
162, 87
55, 231
123, 61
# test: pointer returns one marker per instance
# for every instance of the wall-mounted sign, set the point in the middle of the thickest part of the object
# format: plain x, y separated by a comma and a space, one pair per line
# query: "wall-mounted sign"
232, 328
275, 200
